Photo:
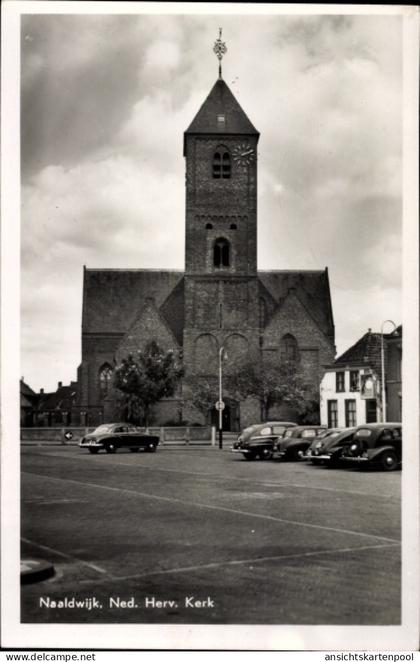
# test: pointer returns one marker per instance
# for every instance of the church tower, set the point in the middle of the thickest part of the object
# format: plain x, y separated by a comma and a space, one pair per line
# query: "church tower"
219, 301
221, 288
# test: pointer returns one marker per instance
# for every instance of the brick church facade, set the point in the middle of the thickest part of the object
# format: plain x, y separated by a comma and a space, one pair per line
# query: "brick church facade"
221, 299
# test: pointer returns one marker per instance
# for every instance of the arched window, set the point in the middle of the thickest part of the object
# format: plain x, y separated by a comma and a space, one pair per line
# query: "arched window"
105, 376
221, 164
233, 226
209, 226
221, 253
289, 348
262, 312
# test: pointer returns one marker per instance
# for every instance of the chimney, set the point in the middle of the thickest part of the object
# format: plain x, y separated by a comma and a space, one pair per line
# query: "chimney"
41, 391
60, 384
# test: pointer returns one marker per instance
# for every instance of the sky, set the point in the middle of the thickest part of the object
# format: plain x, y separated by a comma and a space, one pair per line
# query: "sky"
104, 104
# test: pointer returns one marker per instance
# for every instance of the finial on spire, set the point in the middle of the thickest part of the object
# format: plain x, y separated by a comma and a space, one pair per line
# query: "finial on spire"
220, 49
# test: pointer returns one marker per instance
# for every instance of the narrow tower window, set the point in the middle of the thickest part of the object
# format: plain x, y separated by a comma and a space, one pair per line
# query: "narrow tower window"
226, 166
217, 165
221, 164
221, 253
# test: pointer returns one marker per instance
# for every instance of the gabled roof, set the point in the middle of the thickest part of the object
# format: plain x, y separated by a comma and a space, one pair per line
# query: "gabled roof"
63, 398
26, 390
366, 351
113, 297
312, 289
28, 397
221, 101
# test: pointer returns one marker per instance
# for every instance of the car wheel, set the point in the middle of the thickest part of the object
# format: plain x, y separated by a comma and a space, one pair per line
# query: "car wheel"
389, 461
314, 461
93, 450
249, 456
266, 454
334, 462
152, 449
134, 450
110, 447
295, 454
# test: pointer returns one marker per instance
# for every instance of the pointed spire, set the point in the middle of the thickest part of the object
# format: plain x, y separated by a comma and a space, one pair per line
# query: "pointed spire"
220, 49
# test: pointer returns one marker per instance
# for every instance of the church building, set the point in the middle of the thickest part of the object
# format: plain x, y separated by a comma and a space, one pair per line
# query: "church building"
221, 299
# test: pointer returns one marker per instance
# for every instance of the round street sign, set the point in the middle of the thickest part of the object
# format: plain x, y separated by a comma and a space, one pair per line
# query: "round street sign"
220, 405
68, 435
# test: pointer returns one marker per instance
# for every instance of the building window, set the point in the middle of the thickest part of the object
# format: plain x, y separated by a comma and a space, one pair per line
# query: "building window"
221, 253
339, 382
371, 410
332, 414
233, 226
350, 413
288, 348
105, 376
209, 226
262, 312
354, 380
221, 164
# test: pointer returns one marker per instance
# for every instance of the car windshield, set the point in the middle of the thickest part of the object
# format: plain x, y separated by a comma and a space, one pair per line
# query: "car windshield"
264, 431
289, 433
249, 431
104, 428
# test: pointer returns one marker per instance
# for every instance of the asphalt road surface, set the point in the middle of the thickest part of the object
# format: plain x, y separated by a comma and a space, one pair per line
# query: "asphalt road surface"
199, 535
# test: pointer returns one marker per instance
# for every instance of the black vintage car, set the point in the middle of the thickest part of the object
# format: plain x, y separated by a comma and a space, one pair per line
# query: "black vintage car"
112, 436
329, 448
376, 444
258, 441
296, 441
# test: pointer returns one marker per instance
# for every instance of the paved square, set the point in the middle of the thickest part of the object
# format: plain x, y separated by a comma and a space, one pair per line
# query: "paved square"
198, 535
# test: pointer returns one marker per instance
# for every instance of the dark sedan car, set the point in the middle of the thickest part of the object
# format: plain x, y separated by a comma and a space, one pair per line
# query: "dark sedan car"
376, 444
296, 441
112, 436
313, 450
328, 449
259, 440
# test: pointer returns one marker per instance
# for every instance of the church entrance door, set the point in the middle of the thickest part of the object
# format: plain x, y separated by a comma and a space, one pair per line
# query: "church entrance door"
230, 416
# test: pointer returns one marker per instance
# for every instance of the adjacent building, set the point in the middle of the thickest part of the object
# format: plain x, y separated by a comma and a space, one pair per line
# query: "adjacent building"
351, 388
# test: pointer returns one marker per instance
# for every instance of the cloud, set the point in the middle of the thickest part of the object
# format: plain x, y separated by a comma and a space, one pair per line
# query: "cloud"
105, 102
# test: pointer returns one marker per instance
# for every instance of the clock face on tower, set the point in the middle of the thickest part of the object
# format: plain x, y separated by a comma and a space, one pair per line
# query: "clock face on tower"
243, 154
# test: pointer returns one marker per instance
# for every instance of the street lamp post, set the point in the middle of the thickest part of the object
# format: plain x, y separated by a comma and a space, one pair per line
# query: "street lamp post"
383, 368
220, 403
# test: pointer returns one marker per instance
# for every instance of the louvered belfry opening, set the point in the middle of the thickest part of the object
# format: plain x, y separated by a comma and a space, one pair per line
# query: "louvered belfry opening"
221, 164
221, 254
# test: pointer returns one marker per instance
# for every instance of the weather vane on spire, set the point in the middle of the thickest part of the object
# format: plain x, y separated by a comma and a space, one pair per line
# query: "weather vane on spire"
220, 49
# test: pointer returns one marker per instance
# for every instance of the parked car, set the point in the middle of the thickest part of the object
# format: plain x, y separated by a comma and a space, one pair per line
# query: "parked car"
312, 452
376, 444
112, 436
329, 448
297, 441
259, 440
